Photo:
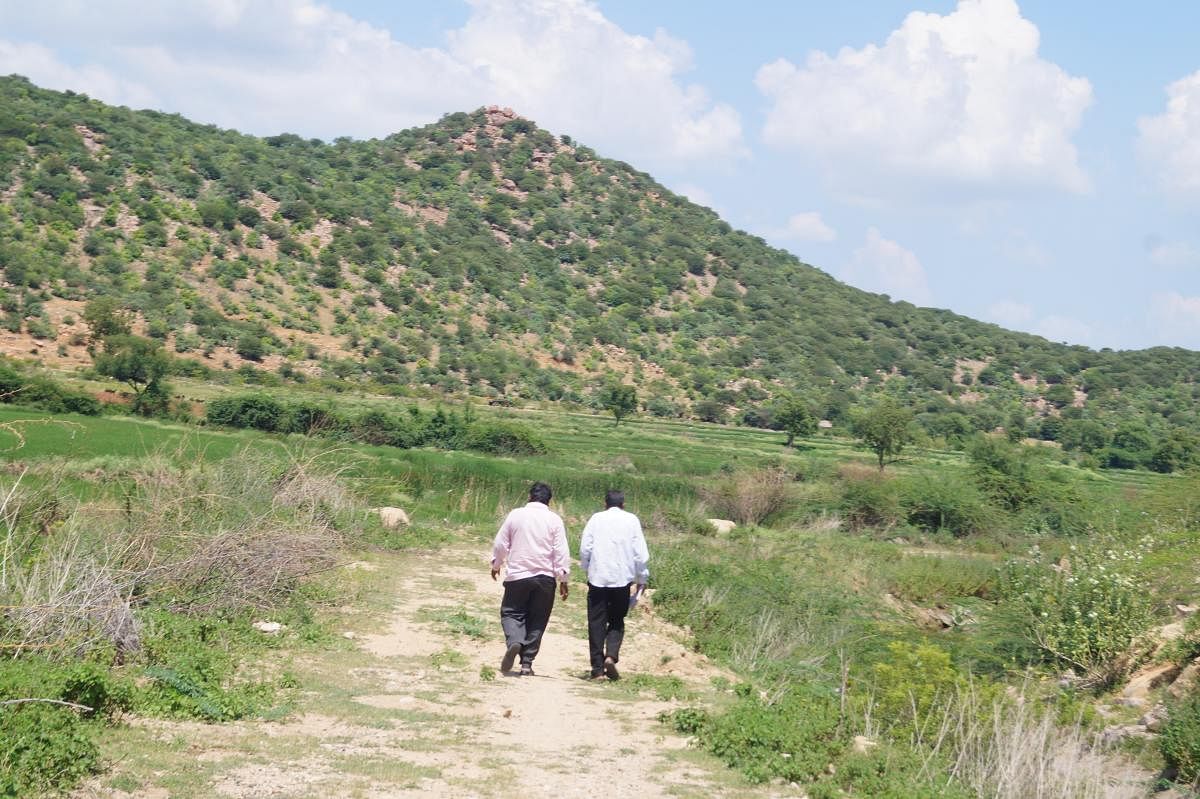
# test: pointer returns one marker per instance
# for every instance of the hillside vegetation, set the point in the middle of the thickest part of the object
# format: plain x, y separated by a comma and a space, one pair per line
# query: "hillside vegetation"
482, 254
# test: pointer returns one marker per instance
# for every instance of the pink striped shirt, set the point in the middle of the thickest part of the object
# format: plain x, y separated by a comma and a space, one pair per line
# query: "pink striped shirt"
533, 540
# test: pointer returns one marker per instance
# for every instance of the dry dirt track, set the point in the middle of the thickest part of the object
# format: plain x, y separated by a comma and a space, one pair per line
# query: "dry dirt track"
406, 710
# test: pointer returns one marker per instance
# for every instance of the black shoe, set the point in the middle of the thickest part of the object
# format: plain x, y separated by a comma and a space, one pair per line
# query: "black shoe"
510, 655
526, 670
610, 669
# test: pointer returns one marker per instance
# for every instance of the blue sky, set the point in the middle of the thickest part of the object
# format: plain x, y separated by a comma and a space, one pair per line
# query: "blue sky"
1033, 164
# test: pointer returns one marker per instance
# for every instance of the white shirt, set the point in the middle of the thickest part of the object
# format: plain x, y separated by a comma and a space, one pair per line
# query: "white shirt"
613, 550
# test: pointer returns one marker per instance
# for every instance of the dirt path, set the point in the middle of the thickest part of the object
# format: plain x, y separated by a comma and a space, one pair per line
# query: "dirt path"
413, 705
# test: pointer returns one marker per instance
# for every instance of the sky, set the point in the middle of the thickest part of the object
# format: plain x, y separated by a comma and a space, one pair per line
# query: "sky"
1032, 164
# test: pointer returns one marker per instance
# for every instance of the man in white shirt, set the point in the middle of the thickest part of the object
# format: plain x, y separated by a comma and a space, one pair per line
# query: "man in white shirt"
614, 555
532, 544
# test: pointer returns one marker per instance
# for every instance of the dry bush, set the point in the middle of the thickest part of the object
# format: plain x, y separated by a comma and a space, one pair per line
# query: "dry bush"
1009, 748
257, 565
751, 497
200, 537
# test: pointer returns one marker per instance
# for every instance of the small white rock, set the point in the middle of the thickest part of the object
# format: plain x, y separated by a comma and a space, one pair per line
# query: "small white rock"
349, 636
269, 627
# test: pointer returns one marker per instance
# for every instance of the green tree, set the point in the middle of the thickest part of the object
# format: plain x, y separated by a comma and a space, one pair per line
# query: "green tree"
142, 364
619, 399
106, 317
795, 418
885, 428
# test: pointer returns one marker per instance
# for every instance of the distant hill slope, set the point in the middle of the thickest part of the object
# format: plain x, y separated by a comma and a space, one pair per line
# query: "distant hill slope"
482, 253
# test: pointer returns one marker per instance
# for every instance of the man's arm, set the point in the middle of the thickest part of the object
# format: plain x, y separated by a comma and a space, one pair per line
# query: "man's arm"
641, 555
561, 559
586, 542
501, 545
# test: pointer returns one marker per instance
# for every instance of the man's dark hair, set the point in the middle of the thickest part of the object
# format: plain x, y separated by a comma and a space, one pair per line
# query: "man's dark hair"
614, 499
540, 492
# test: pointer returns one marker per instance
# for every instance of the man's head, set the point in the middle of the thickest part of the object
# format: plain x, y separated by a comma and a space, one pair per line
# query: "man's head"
540, 492
614, 499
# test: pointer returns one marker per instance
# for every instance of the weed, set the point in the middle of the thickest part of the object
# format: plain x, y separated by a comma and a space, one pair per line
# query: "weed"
448, 658
665, 689
487, 673
458, 622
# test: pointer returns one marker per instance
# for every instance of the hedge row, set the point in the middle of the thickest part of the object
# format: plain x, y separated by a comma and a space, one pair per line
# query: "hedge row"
406, 430
36, 391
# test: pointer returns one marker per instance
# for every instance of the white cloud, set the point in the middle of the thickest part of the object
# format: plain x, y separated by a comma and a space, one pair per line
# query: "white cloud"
694, 193
884, 267
957, 99
1055, 327
1172, 253
1169, 143
274, 65
1018, 246
1010, 314
1064, 328
1175, 318
808, 226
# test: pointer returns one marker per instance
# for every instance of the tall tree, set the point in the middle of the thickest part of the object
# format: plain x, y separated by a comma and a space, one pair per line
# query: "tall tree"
795, 418
105, 317
885, 428
620, 400
140, 363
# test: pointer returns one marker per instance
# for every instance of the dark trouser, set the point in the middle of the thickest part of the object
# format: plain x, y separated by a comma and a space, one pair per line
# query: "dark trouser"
606, 623
525, 611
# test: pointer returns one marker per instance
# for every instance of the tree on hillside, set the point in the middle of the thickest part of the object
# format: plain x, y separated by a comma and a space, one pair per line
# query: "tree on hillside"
885, 428
143, 365
106, 317
620, 400
795, 418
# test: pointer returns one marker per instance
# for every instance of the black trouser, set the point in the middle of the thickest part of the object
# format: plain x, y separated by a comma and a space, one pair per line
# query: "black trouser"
525, 612
606, 623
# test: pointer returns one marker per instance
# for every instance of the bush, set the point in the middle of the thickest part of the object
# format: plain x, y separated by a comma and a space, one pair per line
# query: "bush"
35, 391
255, 411
751, 497
80, 682
909, 683
44, 749
794, 738
191, 666
378, 428
1088, 612
944, 501
869, 499
1180, 739
500, 438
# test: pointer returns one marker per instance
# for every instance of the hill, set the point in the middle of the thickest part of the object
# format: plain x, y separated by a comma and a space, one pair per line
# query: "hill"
483, 254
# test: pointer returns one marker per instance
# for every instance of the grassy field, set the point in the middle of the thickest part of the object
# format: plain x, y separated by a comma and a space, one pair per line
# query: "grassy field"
816, 591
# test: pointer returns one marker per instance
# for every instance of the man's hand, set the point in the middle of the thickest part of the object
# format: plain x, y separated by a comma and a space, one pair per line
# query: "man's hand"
495, 571
562, 590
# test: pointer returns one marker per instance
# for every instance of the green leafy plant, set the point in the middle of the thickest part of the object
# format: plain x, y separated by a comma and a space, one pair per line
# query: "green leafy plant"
1179, 741
1088, 612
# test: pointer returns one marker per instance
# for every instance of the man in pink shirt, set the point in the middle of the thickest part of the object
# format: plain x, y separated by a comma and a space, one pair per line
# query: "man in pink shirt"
533, 542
